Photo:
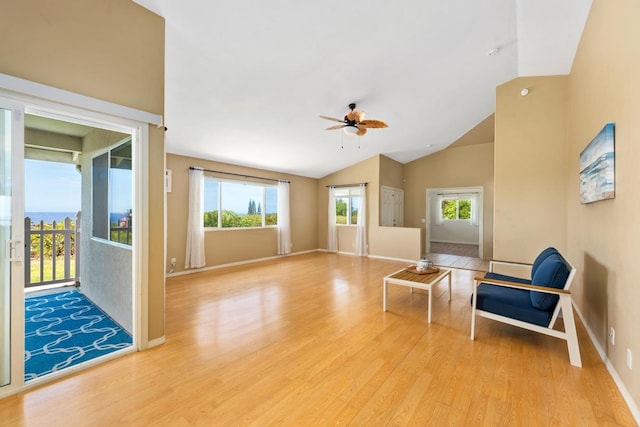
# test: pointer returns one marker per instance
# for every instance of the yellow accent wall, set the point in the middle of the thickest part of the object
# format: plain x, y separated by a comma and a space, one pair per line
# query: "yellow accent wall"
107, 49
460, 166
602, 237
538, 142
232, 246
384, 242
530, 167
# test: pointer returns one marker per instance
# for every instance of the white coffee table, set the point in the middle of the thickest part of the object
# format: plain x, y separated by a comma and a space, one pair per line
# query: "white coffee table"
412, 280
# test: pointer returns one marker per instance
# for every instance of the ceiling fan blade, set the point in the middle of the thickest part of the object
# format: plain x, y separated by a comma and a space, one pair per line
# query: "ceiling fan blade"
335, 127
333, 119
361, 131
373, 124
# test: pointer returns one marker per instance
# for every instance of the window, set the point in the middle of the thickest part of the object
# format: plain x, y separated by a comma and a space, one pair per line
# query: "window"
347, 205
455, 209
233, 204
112, 202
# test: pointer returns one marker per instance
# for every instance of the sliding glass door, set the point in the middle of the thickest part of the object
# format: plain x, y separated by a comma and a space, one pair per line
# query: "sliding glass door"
11, 243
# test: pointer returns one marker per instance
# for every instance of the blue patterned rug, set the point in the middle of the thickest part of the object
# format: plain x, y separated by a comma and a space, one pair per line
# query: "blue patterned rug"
65, 329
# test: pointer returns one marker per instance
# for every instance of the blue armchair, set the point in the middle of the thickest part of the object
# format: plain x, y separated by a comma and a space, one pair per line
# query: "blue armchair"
533, 304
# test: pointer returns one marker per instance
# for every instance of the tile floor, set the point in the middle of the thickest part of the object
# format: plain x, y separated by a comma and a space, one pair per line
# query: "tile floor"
456, 255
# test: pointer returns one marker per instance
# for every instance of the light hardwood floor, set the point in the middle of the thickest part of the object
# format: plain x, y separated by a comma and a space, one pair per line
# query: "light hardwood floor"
304, 341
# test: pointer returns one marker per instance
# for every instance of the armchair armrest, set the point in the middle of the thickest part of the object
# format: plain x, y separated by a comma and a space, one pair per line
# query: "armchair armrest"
555, 291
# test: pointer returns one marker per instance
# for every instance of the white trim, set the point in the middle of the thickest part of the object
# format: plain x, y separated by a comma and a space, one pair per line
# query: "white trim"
140, 147
16, 235
633, 407
455, 243
47, 101
233, 264
432, 192
386, 258
156, 342
60, 96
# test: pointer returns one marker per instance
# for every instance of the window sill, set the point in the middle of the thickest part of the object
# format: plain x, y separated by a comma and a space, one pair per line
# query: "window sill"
268, 227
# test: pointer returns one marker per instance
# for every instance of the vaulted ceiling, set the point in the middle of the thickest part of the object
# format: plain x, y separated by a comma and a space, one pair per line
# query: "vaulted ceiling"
246, 80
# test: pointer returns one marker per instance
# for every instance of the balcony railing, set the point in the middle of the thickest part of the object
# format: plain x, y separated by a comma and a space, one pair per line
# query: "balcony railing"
62, 244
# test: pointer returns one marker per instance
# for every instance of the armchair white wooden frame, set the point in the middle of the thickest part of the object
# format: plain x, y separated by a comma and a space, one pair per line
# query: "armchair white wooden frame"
564, 303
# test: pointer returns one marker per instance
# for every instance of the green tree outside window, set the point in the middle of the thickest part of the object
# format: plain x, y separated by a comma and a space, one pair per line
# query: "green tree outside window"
453, 209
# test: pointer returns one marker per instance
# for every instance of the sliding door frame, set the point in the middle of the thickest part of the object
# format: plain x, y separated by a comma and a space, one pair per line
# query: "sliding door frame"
16, 299
38, 99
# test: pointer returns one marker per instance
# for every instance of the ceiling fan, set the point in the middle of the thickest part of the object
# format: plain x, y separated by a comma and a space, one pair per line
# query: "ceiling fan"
354, 122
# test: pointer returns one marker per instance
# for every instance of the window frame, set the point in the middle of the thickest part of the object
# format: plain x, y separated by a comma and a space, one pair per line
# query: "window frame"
352, 193
263, 204
99, 203
457, 200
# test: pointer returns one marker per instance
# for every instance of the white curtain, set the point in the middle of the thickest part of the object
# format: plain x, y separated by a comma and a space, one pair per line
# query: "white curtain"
195, 224
284, 226
332, 235
361, 227
474, 210
439, 210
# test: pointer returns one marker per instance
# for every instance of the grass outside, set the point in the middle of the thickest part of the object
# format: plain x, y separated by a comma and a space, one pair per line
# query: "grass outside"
48, 269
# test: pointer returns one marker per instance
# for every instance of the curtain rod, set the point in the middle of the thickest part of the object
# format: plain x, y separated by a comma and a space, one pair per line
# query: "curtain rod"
347, 185
239, 174
458, 194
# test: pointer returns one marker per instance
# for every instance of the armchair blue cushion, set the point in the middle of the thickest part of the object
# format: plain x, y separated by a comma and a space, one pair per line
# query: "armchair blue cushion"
541, 257
553, 273
513, 303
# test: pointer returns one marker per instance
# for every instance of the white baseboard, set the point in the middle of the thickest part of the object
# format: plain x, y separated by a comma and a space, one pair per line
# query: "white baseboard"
156, 342
410, 261
386, 258
233, 264
455, 243
633, 407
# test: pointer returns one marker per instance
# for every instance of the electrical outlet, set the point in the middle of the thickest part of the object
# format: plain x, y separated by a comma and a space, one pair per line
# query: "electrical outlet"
629, 359
612, 336
173, 261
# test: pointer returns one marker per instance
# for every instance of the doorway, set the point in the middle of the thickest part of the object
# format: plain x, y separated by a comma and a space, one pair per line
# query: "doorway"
81, 279
79, 110
454, 221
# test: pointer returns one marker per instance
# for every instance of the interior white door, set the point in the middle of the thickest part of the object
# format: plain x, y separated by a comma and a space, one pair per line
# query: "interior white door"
392, 207
398, 208
11, 245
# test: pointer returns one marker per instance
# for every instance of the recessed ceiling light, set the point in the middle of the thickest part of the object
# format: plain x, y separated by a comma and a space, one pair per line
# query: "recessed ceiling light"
428, 145
493, 52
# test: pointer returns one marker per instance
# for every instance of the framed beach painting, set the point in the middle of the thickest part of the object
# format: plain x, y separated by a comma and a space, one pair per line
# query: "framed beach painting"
597, 167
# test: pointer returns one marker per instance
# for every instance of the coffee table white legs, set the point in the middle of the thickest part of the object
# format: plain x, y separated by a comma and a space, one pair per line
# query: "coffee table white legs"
384, 295
448, 276
429, 310
411, 284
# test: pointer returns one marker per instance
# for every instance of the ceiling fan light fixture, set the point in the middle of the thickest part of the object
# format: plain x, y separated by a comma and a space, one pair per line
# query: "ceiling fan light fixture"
350, 130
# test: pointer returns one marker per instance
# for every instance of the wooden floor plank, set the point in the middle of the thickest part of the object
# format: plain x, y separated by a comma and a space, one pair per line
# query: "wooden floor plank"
303, 340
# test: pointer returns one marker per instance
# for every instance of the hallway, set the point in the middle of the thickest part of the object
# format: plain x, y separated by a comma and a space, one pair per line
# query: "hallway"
457, 255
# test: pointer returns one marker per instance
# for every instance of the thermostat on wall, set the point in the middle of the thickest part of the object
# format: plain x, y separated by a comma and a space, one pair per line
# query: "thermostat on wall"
167, 180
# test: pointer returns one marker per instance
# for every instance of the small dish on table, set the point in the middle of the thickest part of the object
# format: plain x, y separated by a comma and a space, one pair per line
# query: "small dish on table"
414, 269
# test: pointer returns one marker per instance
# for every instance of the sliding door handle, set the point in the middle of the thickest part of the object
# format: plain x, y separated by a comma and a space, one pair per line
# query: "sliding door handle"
14, 250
